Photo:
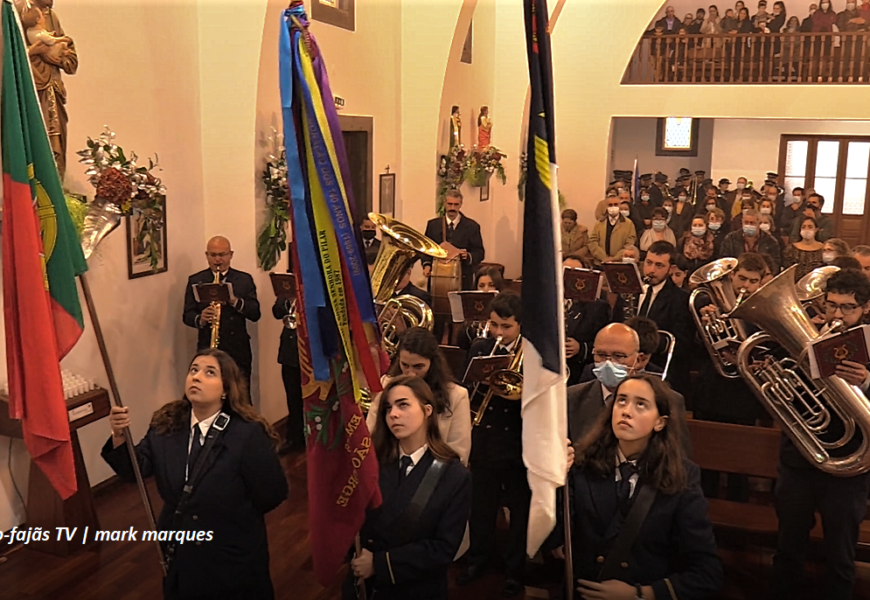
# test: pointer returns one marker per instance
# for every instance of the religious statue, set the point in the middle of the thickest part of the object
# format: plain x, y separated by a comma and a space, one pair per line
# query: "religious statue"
51, 51
484, 129
455, 126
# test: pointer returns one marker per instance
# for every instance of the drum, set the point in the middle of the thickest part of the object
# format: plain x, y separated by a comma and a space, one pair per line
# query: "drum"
446, 277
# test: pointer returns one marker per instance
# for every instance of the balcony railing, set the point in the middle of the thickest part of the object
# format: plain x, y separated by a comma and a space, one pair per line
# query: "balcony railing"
751, 58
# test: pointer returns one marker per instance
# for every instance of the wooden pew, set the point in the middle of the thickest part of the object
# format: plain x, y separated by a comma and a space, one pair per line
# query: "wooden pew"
752, 451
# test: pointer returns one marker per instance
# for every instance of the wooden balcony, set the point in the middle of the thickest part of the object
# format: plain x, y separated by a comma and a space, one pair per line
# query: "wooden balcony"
751, 58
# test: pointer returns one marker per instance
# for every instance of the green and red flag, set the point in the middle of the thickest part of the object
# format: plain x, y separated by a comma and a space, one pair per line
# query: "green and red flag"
41, 259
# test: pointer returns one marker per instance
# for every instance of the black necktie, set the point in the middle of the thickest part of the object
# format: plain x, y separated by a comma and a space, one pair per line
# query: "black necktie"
647, 300
450, 230
404, 463
195, 449
623, 486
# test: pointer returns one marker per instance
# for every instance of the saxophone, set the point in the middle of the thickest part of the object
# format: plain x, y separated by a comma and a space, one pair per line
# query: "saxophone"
216, 321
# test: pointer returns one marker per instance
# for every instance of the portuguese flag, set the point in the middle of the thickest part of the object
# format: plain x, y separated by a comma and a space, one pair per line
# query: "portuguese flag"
41, 258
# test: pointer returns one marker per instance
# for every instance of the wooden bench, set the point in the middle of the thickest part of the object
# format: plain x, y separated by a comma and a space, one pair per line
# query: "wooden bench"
752, 451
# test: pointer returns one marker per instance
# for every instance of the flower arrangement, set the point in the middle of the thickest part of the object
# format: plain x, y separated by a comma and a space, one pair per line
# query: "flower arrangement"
272, 240
129, 186
451, 173
482, 163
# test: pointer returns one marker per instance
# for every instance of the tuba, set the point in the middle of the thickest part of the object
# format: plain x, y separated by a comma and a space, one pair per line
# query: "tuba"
722, 331
504, 383
811, 287
828, 420
400, 247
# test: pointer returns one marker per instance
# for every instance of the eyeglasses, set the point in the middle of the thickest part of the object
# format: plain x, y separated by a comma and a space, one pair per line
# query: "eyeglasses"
619, 357
846, 309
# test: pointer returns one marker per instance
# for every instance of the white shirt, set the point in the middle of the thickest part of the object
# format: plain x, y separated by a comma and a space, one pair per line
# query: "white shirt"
415, 457
510, 347
655, 292
203, 428
455, 222
632, 481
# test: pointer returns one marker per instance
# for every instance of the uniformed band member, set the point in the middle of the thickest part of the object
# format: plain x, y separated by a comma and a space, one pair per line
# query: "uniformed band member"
291, 375
802, 490
633, 446
461, 231
497, 460
240, 480
406, 552
243, 306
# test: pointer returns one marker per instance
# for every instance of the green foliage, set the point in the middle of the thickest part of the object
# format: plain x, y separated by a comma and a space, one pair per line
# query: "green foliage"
272, 240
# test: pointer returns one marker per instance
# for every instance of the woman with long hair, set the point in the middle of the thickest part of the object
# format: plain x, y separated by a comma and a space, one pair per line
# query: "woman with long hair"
634, 453
418, 355
406, 552
488, 279
697, 244
237, 481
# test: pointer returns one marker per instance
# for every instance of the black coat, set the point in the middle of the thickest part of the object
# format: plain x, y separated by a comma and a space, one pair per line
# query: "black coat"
675, 26
499, 437
675, 548
375, 243
582, 323
241, 480
233, 338
288, 348
466, 236
418, 568
670, 311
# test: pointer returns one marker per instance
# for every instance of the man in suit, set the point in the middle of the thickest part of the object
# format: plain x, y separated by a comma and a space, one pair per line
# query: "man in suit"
369, 235
617, 355
669, 24
582, 321
291, 375
462, 232
668, 306
233, 335
802, 490
497, 460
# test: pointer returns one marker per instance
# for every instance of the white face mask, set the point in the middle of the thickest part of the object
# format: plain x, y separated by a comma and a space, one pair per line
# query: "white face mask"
699, 231
829, 257
850, 6
644, 198
765, 227
625, 213
613, 211
682, 198
629, 259
825, 5
740, 186
765, 210
658, 225
714, 226
711, 207
808, 234
670, 209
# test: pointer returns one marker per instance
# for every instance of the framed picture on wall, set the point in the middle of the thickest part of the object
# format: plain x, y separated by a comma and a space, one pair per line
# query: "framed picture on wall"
387, 197
340, 13
146, 245
484, 191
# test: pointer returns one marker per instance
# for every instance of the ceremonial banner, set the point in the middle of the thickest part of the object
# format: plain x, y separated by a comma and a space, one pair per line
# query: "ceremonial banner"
337, 324
41, 259
544, 405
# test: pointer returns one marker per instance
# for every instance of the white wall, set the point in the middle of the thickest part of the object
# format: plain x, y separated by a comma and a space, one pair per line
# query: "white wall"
636, 137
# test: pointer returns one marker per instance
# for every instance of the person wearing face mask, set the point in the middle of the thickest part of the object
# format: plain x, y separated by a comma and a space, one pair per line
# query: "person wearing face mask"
718, 226
582, 321
833, 249
369, 235
750, 238
644, 211
851, 21
628, 211
747, 202
733, 197
658, 232
792, 207
807, 23
611, 235
710, 201
813, 208
766, 225
575, 237
824, 20
697, 245
683, 211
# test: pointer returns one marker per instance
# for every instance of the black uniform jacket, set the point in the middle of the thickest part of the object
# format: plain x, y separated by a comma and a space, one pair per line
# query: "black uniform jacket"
288, 348
467, 236
582, 323
241, 480
499, 437
234, 338
417, 568
675, 550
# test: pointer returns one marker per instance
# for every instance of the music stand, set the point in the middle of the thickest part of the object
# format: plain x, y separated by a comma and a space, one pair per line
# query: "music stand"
582, 285
471, 306
213, 292
284, 285
481, 367
623, 278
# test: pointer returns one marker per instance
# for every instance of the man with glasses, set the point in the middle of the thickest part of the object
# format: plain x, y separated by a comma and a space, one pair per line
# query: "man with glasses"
616, 353
243, 305
802, 490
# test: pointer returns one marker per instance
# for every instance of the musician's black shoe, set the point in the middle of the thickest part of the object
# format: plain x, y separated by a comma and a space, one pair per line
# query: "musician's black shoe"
469, 574
511, 588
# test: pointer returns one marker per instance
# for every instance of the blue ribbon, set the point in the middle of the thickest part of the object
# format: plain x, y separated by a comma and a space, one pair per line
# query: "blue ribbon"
356, 268
309, 265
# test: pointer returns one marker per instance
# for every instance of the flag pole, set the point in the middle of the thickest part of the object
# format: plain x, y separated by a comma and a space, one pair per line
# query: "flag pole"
116, 397
569, 553
360, 583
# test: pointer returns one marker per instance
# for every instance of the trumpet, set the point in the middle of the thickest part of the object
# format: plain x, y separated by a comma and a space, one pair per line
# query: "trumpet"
827, 419
216, 321
504, 383
720, 332
492, 353
290, 317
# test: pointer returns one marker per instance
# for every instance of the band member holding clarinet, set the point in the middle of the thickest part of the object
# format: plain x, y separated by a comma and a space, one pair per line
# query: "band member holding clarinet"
215, 463
639, 526
408, 542
802, 490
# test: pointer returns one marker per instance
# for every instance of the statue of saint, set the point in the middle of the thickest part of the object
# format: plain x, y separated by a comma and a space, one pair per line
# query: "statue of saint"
51, 51
484, 129
455, 126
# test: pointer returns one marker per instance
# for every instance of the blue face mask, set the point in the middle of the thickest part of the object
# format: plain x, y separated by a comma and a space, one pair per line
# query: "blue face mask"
610, 374
750, 230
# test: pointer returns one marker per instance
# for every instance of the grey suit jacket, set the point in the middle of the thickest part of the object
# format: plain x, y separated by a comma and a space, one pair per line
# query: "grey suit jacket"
586, 403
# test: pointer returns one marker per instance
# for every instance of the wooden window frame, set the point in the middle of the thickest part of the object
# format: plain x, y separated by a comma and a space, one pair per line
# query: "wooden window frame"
343, 15
660, 139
